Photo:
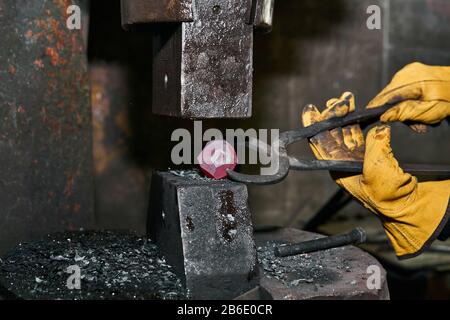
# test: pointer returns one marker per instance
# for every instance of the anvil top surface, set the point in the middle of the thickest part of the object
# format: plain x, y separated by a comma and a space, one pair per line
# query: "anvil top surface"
339, 273
193, 177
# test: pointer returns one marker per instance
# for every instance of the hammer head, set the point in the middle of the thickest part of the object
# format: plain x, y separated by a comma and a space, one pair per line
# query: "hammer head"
203, 57
203, 68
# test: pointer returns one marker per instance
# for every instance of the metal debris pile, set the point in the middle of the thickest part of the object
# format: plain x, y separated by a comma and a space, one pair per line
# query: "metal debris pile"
301, 269
191, 174
112, 266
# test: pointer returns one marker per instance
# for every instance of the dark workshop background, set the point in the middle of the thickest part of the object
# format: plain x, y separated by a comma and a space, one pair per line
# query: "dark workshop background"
316, 51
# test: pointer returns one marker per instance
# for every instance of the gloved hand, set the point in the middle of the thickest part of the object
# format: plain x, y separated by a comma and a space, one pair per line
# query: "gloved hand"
412, 213
421, 94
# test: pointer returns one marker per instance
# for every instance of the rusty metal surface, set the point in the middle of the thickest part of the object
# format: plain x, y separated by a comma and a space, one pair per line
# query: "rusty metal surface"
203, 227
203, 69
151, 11
121, 192
339, 273
45, 122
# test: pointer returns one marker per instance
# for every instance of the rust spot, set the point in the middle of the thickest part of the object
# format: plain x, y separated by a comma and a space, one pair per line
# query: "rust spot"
39, 63
68, 190
189, 224
121, 120
100, 101
12, 70
101, 105
53, 54
29, 34
76, 207
79, 119
49, 37
54, 124
100, 110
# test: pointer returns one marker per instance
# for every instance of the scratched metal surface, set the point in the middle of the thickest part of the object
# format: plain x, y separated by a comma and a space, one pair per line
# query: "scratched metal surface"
45, 123
213, 63
203, 228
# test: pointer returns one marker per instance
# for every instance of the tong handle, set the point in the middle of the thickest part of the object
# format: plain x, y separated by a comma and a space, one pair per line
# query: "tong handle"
357, 167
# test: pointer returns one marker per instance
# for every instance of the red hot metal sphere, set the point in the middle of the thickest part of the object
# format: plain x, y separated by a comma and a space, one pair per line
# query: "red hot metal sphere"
216, 158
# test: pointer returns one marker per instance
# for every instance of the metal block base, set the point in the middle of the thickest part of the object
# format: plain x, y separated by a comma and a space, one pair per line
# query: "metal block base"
204, 229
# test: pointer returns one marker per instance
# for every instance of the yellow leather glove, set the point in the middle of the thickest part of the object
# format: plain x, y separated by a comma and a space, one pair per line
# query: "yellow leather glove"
412, 213
421, 93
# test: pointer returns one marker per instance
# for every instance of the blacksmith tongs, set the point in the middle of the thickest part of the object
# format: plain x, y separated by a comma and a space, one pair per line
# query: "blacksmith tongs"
287, 162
